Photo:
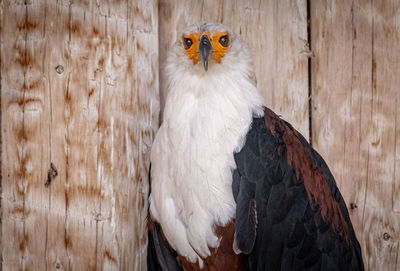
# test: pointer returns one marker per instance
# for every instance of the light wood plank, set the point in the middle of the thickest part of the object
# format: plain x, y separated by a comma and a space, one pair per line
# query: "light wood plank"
57, 78
79, 90
354, 115
23, 115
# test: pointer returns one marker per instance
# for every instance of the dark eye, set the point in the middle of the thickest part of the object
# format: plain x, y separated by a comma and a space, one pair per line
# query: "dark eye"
224, 41
187, 43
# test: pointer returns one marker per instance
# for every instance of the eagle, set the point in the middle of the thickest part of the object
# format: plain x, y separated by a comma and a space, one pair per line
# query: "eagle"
233, 185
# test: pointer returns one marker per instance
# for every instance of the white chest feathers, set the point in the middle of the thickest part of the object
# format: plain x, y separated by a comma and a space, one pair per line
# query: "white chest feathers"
205, 121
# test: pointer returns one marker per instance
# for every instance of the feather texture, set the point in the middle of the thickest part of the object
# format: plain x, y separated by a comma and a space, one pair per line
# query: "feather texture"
293, 230
228, 177
206, 118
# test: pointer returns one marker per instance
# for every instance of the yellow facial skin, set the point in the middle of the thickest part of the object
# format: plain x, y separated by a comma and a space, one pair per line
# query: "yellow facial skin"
218, 48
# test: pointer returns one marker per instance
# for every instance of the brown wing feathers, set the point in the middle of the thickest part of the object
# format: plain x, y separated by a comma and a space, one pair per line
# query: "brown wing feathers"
314, 180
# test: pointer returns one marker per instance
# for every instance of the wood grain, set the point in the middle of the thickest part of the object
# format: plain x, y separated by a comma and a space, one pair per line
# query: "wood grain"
79, 89
276, 32
355, 79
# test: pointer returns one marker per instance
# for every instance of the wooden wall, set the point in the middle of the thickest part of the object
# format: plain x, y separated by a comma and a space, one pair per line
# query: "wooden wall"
356, 116
343, 94
79, 91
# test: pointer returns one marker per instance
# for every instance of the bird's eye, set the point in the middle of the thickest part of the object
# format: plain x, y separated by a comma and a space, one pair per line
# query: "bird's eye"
187, 43
224, 40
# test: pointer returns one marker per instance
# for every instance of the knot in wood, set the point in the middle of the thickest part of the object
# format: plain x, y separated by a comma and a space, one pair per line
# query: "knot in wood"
353, 206
52, 173
59, 69
386, 236
58, 266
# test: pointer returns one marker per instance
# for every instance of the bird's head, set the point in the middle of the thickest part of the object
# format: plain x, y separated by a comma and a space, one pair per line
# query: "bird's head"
206, 42
206, 46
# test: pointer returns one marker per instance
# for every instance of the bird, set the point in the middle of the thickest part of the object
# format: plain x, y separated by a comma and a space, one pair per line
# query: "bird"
233, 185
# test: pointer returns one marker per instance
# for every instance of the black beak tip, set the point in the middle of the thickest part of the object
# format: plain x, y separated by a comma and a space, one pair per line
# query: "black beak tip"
205, 50
205, 64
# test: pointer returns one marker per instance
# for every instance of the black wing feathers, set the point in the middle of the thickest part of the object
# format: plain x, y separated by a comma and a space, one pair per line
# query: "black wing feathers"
246, 208
160, 257
290, 233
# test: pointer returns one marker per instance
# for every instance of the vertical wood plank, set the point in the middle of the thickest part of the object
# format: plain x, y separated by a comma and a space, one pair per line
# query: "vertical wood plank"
1, 127
354, 115
79, 88
57, 78
123, 157
382, 150
23, 115
86, 32
276, 32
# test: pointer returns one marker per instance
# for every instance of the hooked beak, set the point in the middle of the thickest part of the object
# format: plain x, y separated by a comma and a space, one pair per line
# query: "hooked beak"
205, 50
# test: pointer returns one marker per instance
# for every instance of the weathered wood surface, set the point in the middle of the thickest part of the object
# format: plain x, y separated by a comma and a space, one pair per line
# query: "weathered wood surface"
79, 84
79, 89
355, 115
276, 32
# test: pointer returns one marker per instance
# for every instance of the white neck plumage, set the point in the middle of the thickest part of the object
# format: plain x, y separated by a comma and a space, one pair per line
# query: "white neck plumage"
206, 119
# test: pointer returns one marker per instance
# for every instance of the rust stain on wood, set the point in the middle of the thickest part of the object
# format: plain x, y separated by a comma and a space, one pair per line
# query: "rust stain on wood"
95, 30
32, 85
75, 27
26, 26
108, 255
23, 243
24, 57
91, 92
67, 241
